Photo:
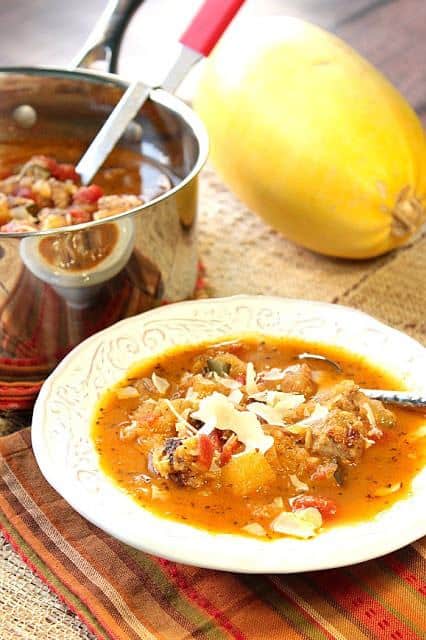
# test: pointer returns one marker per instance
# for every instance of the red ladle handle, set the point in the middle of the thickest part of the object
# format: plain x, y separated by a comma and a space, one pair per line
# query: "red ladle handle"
209, 24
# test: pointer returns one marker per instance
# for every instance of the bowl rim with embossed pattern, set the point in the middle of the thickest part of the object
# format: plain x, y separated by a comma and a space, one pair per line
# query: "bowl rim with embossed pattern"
66, 454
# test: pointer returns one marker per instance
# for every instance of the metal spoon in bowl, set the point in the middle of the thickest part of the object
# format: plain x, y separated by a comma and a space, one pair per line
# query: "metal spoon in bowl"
409, 399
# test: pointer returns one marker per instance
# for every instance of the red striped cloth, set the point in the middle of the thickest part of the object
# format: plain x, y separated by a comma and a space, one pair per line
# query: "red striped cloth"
38, 328
123, 594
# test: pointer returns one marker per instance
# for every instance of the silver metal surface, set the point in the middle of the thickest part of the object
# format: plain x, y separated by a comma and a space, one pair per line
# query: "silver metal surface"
110, 133
402, 398
315, 356
132, 100
44, 314
102, 47
186, 59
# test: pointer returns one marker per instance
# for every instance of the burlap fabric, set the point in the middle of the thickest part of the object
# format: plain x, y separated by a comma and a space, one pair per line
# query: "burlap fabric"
241, 255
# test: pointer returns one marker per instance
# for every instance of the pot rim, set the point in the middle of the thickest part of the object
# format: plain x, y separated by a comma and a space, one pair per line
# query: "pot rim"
156, 95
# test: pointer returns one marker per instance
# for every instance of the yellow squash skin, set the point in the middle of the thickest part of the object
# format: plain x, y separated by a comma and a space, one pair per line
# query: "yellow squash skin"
313, 138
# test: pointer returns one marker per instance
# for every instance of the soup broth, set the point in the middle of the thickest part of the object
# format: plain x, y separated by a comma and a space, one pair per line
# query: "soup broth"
319, 445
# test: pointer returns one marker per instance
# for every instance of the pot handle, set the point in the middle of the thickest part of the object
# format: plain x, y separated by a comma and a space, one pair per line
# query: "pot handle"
103, 43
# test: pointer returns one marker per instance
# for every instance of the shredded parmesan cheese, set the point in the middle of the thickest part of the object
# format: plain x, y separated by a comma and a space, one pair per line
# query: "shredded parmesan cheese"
191, 395
297, 484
368, 442
217, 412
161, 384
303, 523
255, 529
278, 374
124, 393
157, 493
273, 374
129, 431
296, 429
235, 397
181, 422
374, 431
251, 386
279, 399
318, 415
386, 491
370, 415
276, 407
308, 438
230, 383
268, 414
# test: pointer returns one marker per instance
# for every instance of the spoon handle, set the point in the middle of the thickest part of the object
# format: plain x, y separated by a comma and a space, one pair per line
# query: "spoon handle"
401, 398
208, 25
206, 28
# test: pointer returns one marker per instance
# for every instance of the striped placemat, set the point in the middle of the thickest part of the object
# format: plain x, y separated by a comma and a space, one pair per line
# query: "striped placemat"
123, 594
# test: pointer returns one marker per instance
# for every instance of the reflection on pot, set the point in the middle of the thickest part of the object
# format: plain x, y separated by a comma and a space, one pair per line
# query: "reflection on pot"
40, 322
78, 263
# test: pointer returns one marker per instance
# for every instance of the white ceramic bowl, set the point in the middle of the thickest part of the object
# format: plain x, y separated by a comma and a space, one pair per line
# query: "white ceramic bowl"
67, 456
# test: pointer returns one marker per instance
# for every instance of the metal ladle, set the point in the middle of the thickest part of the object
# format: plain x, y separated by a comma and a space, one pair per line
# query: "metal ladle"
407, 399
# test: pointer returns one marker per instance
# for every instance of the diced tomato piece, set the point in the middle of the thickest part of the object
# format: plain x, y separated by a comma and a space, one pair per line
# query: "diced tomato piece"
237, 349
215, 438
205, 456
24, 192
200, 283
228, 449
326, 507
88, 195
241, 379
79, 215
65, 172
49, 163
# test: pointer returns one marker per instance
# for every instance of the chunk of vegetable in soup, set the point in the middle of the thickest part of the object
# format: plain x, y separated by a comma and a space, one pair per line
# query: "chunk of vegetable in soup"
41, 191
241, 437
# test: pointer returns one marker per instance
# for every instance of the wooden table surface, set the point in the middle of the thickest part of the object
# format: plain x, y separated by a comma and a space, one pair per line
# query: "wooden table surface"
390, 33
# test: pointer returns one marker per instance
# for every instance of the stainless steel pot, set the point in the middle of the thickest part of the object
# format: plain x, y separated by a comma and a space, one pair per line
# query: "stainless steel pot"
44, 310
